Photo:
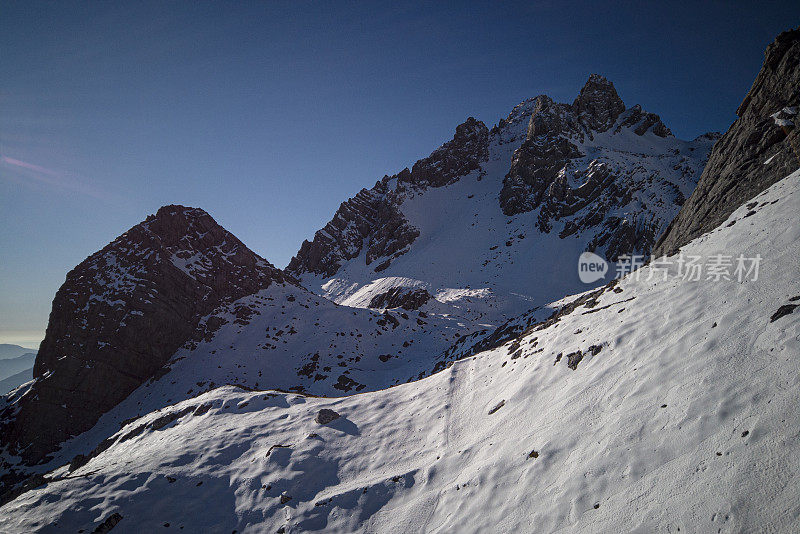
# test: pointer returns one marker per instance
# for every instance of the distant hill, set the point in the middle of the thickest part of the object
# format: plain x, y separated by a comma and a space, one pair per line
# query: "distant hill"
12, 366
13, 351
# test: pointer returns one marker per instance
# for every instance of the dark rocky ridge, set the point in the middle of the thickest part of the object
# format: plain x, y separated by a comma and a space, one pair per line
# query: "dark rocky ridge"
120, 315
736, 169
549, 147
372, 218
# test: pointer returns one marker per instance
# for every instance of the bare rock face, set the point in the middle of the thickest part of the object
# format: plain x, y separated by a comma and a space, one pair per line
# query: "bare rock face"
538, 171
598, 105
641, 121
454, 159
368, 219
536, 165
325, 416
372, 218
401, 297
753, 154
119, 317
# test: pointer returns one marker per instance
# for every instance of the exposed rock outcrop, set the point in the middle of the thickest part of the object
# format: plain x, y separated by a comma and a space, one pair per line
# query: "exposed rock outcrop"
372, 218
120, 315
753, 154
401, 297
598, 105
539, 169
454, 159
325, 416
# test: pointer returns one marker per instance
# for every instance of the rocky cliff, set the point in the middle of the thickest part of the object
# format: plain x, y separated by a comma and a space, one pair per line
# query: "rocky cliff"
371, 220
760, 148
510, 209
120, 315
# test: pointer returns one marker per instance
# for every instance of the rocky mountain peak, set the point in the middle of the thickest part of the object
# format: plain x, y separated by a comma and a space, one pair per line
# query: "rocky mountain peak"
598, 105
122, 313
549, 118
454, 159
372, 219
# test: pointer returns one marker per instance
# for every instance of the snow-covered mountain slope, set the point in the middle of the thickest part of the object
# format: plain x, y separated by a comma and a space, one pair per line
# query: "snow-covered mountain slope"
660, 403
504, 214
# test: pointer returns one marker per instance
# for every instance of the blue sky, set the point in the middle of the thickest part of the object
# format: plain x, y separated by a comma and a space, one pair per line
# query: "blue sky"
268, 115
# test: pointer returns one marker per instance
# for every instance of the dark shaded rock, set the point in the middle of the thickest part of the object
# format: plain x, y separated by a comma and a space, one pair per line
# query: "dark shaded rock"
573, 359
641, 121
401, 297
534, 167
121, 314
372, 218
325, 416
598, 105
110, 522
454, 159
78, 461
736, 171
594, 350
784, 310
497, 407
533, 454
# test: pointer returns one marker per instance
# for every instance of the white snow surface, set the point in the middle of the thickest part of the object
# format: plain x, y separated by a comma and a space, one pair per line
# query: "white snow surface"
686, 419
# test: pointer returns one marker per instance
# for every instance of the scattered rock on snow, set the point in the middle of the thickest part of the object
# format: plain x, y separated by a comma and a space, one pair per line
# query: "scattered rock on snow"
573, 359
786, 309
110, 522
497, 407
325, 416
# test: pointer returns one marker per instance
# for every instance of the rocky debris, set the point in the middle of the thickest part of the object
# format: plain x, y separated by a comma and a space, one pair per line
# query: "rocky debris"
121, 314
497, 406
401, 297
285, 498
516, 329
372, 218
573, 359
325, 416
110, 522
784, 310
753, 154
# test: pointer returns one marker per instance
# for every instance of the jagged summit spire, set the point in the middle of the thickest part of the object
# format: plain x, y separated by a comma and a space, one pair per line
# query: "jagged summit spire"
598, 105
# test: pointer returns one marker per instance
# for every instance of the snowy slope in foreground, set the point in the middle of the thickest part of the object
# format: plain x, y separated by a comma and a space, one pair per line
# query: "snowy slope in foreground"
685, 419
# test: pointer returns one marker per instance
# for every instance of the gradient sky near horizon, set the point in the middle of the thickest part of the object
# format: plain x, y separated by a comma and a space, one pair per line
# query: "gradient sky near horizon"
268, 115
